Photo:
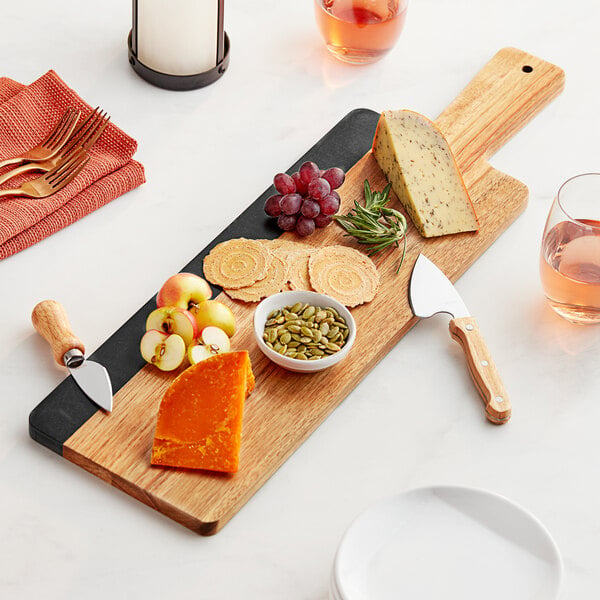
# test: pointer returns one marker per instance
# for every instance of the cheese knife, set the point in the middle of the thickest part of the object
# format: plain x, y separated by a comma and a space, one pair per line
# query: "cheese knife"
50, 320
431, 292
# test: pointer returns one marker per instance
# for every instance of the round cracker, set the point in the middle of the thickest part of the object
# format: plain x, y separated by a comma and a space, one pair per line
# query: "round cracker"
284, 248
299, 278
276, 278
344, 274
237, 263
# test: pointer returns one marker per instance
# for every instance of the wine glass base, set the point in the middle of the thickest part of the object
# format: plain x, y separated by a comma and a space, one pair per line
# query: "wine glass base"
580, 315
356, 56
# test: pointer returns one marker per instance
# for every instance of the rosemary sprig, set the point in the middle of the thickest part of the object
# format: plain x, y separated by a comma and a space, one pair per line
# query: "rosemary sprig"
374, 224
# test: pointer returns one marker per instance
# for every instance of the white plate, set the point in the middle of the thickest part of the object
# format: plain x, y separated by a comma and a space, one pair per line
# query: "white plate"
446, 542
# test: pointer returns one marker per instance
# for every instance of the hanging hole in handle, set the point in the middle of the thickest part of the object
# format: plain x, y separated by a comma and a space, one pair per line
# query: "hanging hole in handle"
527, 69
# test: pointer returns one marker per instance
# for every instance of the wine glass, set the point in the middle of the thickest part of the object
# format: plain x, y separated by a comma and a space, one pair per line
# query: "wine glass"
570, 254
360, 31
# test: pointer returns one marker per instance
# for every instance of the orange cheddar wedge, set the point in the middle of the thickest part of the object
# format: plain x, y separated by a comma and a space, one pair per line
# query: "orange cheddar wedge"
199, 422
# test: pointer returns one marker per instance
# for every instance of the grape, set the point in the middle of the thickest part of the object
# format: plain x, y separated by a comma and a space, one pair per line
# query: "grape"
304, 226
286, 222
273, 205
335, 177
309, 171
319, 188
322, 220
310, 208
301, 187
284, 184
329, 205
291, 203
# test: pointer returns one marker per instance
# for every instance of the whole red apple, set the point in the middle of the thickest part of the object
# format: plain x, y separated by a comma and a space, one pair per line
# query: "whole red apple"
185, 290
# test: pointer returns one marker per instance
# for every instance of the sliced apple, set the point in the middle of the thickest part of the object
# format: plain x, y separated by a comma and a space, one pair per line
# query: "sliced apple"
216, 338
212, 340
199, 352
184, 290
172, 319
163, 350
213, 312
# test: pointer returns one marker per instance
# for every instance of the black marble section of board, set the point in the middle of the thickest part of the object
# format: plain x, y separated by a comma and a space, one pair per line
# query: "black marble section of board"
67, 408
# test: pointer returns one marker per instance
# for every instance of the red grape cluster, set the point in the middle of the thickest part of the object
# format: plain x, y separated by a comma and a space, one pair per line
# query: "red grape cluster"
307, 199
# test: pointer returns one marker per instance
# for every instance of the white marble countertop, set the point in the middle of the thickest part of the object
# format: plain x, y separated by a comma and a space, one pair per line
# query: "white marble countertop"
416, 419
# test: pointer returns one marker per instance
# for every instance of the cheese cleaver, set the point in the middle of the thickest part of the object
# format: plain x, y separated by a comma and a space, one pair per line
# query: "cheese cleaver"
432, 292
51, 322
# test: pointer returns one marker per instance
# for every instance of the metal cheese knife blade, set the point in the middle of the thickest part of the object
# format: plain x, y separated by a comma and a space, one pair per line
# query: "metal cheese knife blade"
50, 320
432, 292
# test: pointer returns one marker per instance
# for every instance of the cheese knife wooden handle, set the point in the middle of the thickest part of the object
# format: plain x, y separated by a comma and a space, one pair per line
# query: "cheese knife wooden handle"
50, 320
482, 368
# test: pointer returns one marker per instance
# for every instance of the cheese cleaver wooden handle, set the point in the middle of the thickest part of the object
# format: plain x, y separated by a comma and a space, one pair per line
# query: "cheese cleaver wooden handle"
50, 320
482, 368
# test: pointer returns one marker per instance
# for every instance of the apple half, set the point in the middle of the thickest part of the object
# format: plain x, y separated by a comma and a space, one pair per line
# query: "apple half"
163, 350
212, 340
172, 319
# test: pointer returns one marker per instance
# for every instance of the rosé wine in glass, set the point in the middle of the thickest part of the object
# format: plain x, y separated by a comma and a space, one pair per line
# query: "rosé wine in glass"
570, 254
360, 31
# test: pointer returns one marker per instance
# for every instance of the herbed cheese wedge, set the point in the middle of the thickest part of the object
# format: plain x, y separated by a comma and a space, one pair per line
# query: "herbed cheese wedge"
418, 162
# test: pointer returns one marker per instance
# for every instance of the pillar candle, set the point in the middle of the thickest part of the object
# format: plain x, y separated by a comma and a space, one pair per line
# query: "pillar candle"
178, 37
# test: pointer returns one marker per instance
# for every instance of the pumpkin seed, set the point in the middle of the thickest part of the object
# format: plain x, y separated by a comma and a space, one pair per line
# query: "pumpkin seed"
321, 314
294, 328
286, 338
301, 356
307, 331
296, 308
324, 328
333, 331
308, 312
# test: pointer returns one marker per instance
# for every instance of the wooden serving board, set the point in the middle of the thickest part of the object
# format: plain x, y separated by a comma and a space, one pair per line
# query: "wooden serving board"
503, 96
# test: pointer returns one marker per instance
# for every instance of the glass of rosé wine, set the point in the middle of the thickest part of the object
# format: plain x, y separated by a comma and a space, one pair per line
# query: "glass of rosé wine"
570, 255
360, 31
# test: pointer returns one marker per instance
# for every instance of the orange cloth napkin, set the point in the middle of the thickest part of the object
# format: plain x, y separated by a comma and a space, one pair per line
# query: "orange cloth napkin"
27, 114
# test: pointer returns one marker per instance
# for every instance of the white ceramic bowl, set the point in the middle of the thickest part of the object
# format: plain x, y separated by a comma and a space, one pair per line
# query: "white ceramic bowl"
288, 299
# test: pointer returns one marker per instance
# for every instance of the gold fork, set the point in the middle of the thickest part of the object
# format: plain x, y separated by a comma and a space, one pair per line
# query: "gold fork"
52, 144
52, 181
84, 137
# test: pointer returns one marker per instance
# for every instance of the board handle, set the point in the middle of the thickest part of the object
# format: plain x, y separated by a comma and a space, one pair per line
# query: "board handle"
505, 95
482, 368
50, 320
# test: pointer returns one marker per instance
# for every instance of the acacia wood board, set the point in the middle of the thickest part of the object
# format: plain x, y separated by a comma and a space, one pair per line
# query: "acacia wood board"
285, 408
